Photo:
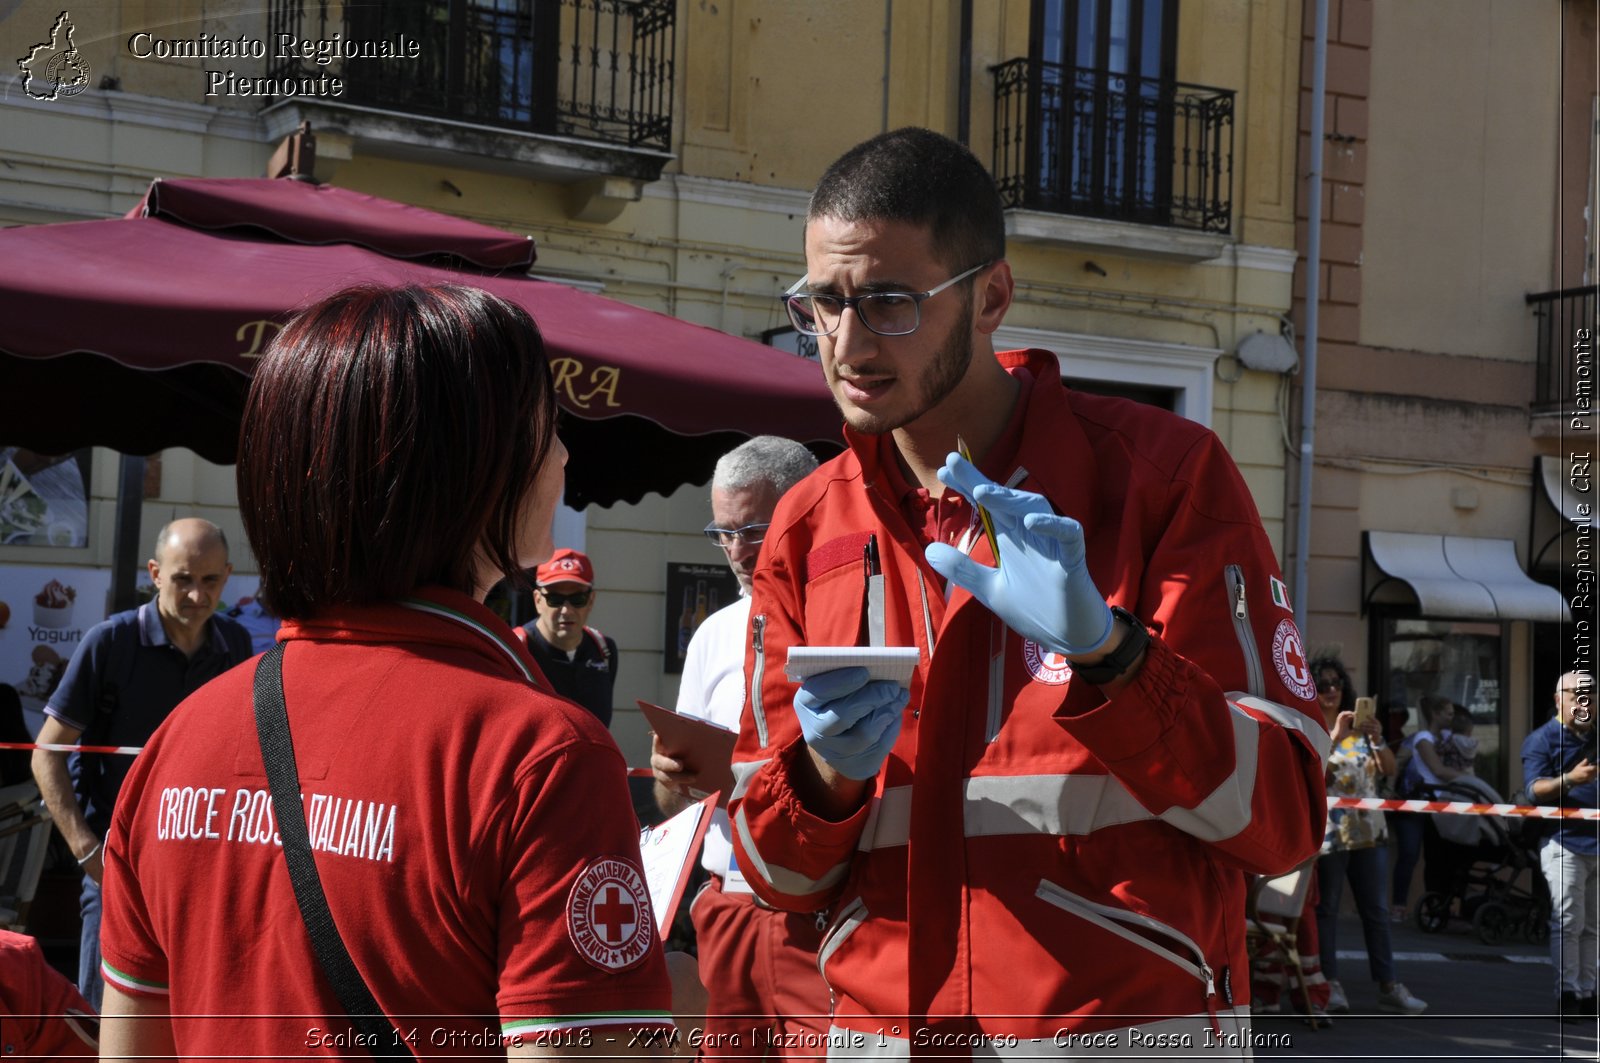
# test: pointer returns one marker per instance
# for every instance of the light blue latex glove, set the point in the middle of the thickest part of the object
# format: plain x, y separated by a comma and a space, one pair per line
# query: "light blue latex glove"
850, 721
1042, 588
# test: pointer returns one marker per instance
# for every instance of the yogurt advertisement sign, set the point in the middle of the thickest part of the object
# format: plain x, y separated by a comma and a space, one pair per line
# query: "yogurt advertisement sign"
44, 613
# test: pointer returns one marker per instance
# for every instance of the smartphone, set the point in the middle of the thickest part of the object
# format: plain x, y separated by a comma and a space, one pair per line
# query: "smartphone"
1366, 709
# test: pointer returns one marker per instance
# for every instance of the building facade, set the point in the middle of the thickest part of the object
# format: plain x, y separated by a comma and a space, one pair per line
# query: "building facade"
661, 152
1448, 549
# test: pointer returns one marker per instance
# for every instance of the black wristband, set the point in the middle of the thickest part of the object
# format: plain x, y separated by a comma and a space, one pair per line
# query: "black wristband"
1121, 659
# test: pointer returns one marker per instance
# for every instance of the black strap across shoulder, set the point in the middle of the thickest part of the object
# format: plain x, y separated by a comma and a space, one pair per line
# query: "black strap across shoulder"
283, 779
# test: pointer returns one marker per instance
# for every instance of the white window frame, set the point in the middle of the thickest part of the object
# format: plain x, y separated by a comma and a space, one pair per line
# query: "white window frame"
1187, 371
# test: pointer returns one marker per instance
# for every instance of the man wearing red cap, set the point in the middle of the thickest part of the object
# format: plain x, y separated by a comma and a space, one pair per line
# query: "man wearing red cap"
579, 661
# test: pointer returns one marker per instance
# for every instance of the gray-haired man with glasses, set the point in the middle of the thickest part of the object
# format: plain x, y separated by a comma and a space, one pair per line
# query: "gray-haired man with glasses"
1039, 843
759, 966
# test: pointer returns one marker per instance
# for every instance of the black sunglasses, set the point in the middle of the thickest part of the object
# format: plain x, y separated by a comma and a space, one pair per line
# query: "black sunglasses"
1324, 685
577, 599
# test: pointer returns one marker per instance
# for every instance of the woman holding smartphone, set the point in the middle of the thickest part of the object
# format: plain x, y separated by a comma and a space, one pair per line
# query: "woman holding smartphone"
1355, 845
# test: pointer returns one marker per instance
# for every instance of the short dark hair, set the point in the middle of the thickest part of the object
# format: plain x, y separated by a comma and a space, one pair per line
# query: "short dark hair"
389, 440
918, 176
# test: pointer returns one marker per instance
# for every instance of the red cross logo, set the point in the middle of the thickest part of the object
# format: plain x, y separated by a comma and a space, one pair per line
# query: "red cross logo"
614, 914
1289, 656
609, 916
1046, 666
1296, 659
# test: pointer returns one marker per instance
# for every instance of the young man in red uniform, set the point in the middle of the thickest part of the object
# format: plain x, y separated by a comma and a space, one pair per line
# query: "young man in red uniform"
1041, 846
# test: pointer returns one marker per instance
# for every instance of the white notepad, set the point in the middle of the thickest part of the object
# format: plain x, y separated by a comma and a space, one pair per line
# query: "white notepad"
894, 663
669, 850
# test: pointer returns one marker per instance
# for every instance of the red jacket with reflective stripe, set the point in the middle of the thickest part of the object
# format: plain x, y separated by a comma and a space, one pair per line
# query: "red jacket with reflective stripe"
1032, 850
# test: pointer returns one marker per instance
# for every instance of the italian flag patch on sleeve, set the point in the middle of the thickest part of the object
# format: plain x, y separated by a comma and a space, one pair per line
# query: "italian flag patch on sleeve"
1280, 593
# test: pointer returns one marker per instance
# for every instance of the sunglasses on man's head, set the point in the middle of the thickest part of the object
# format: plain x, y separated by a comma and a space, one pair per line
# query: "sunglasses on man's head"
577, 599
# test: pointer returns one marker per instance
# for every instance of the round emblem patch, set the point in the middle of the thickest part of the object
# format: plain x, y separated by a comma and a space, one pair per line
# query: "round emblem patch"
1289, 655
1046, 666
608, 914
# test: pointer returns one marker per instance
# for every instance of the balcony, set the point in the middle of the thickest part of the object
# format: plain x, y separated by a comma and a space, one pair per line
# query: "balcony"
1564, 337
1151, 159
571, 89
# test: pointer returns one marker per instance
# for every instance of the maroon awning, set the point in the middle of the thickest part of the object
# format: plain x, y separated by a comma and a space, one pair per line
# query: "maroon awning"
306, 213
137, 333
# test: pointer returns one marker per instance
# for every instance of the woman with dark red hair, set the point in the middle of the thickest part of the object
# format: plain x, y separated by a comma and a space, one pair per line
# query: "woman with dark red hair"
471, 832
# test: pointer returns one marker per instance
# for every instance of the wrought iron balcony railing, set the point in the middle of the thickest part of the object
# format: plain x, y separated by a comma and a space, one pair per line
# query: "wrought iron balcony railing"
1076, 140
1564, 337
598, 70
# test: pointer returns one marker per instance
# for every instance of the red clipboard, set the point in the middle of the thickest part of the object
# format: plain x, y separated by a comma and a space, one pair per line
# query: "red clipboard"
669, 851
705, 746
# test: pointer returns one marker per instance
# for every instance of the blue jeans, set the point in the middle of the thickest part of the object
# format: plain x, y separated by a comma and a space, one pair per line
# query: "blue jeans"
1367, 871
1408, 828
89, 981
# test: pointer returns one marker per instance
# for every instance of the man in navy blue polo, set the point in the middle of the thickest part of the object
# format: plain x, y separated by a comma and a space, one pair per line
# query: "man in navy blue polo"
1558, 768
127, 675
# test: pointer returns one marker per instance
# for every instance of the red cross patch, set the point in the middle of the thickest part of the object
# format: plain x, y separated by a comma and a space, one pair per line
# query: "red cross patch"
608, 915
1044, 665
1289, 655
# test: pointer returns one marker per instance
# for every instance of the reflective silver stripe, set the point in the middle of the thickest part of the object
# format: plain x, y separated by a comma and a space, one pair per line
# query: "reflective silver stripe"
997, 677
927, 615
743, 772
758, 626
1289, 719
888, 820
1192, 1034
1233, 576
1226, 810
782, 879
1047, 804
1119, 921
1083, 804
851, 916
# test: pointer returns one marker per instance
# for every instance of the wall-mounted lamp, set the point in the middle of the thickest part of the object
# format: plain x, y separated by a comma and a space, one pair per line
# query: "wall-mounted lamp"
1267, 352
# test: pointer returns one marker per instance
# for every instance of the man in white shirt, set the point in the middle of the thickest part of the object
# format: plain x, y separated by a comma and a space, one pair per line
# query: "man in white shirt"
758, 965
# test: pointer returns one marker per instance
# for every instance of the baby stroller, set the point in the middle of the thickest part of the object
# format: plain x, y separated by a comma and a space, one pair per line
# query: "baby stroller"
1473, 867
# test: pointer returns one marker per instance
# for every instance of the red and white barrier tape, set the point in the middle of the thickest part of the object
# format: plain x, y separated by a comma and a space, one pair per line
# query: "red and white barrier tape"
1454, 808
56, 747
1465, 808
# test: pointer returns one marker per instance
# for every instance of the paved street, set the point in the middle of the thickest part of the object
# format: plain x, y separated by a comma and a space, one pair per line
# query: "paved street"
1483, 1003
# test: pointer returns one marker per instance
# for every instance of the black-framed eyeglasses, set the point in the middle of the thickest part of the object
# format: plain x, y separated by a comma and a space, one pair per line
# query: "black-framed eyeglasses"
577, 599
750, 534
886, 313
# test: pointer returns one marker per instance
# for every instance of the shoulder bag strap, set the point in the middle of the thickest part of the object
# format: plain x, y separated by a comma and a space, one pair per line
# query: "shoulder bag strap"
283, 778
